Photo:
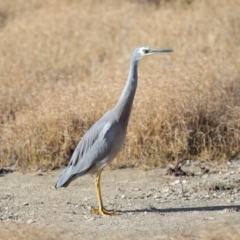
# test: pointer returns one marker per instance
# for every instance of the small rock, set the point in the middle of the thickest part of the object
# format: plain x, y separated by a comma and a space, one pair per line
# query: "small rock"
175, 182
149, 195
165, 190
236, 190
29, 221
209, 218
188, 163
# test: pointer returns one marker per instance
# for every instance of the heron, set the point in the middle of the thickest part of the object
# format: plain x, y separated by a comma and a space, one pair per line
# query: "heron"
104, 140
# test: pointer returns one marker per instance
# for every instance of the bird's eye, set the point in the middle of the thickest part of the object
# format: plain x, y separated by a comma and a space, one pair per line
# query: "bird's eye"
145, 51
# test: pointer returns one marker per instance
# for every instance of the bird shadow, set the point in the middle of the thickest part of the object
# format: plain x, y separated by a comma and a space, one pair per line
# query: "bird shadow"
187, 209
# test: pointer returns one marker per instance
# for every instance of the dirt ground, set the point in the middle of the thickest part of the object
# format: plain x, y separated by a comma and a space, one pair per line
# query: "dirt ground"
151, 205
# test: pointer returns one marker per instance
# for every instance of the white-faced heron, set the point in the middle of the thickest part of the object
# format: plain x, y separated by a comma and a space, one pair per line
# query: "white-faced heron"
103, 141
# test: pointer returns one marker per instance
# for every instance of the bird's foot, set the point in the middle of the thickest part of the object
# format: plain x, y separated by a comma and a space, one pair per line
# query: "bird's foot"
104, 212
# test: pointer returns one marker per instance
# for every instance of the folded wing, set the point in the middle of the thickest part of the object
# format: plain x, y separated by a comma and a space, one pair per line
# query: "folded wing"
93, 147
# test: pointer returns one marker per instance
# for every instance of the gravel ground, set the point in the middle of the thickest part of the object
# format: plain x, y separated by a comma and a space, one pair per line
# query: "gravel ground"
151, 205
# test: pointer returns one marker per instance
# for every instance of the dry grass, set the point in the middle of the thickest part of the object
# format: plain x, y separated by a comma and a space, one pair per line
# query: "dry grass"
211, 232
64, 63
24, 232
20, 232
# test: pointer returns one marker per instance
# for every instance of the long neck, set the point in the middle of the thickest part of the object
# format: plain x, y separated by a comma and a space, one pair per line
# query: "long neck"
124, 105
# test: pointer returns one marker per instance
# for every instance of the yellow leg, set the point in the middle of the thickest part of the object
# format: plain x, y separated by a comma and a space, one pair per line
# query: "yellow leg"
101, 209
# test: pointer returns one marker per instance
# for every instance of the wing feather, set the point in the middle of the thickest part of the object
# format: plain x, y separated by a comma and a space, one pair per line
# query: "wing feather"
92, 148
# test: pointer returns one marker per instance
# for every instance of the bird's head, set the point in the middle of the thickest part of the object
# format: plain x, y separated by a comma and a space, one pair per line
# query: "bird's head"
144, 51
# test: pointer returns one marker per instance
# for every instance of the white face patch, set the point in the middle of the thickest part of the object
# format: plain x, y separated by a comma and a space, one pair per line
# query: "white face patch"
143, 52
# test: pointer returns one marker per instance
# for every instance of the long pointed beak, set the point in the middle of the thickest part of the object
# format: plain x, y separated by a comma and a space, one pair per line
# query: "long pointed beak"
153, 51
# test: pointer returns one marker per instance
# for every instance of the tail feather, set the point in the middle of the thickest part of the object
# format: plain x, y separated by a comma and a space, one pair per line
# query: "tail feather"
68, 176
65, 178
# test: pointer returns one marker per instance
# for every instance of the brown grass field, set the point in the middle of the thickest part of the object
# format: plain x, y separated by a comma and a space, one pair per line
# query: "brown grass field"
64, 63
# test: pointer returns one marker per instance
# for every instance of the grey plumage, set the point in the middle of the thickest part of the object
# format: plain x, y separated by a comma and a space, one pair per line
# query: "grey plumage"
103, 141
